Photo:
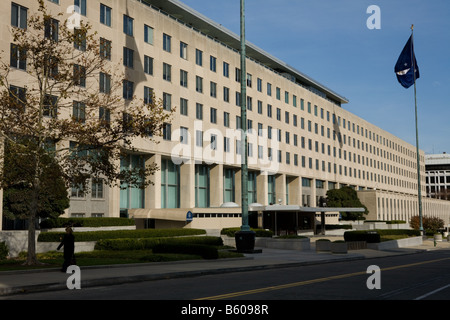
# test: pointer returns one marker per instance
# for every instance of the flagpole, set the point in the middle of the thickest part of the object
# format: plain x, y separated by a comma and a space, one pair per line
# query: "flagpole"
417, 136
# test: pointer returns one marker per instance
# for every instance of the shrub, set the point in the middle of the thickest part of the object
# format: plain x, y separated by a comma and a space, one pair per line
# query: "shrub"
86, 222
376, 235
206, 252
362, 235
3, 251
430, 224
259, 232
150, 243
118, 234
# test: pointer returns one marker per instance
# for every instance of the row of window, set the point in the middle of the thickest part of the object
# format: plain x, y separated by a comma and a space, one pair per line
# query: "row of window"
128, 86
170, 184
19, 19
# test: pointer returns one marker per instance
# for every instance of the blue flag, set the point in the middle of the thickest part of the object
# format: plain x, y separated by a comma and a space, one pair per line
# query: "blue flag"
405, 65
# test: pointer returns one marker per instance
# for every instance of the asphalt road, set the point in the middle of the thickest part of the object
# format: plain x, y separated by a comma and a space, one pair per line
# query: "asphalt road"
421, 276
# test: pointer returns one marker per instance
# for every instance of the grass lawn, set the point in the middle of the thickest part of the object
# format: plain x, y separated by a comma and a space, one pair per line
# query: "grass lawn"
54, 259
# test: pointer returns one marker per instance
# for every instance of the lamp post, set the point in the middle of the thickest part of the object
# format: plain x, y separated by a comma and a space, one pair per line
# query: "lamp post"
245, 238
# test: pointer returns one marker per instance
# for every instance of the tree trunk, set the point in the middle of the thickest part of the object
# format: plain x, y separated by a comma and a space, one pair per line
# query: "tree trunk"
31, 256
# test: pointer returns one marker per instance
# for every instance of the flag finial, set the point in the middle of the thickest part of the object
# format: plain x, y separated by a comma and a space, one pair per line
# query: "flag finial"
412, 27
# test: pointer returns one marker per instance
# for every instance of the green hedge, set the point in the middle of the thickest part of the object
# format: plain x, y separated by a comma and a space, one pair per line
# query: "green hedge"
86, 222
206, 252
118, 234
374, 236
150, 243
259, 232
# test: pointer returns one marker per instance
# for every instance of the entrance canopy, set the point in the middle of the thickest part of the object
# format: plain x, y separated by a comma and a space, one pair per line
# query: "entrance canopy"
291, 219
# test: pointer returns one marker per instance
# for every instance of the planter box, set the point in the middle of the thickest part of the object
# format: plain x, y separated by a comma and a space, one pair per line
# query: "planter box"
339, 247
438, 237
393, 244
288, 244
323, 246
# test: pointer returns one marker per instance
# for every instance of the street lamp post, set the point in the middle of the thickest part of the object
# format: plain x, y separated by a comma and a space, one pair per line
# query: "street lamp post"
245, 238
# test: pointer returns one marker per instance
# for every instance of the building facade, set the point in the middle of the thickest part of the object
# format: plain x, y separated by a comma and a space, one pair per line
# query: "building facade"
302, 142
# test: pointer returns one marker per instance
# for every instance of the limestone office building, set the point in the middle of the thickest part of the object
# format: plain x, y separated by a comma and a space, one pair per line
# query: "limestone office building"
302, 142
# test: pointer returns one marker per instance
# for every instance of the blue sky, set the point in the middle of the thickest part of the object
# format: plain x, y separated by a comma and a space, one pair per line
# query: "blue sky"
329, 41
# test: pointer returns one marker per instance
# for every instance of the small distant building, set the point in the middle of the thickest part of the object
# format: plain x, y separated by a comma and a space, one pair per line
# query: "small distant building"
437, 170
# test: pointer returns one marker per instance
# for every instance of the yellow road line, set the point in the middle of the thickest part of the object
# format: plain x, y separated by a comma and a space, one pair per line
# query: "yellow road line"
302, 283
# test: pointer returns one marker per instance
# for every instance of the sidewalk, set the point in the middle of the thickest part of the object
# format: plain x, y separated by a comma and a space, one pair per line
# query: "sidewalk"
15, 282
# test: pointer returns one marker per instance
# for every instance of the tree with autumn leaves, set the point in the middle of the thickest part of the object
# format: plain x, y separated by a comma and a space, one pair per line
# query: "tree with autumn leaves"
64, 113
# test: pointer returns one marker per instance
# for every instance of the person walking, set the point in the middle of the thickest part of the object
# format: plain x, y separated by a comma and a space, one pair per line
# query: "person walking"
68, 241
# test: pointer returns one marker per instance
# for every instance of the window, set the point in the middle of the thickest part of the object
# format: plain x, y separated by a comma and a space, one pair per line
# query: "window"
199, 111
19, 16
170, 184
128, 89
79, 112
105, 83
80, 40
213, 115
167, 101
54, 1
237, 75
81, 4
51, 29
148, 65
226, 144
79, 75
213, 89
213, 140
128, 57
199, 138
259, 84
269, 110
167, 72
199, 84
226, 94
167, 43
18, 57
148, 94
97, 189
105, 48
228, 185
249, 80
202, 175
104, 115
18, 98
183, 50
50, 106
198, 57
269, 89
183, 78
226, 69
226, 119
183, 106
184, 135
167, 131
127, 25
105, 15
77, 191
212, 63
148, 34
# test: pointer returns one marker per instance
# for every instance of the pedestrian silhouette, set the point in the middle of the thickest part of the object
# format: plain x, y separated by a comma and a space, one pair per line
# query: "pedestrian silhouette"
68, 241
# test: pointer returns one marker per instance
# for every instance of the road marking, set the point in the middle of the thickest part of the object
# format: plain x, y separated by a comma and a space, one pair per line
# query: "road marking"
306, 282
432, 292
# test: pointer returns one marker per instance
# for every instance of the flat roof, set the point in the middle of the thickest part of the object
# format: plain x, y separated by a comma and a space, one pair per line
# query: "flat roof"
189, 16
